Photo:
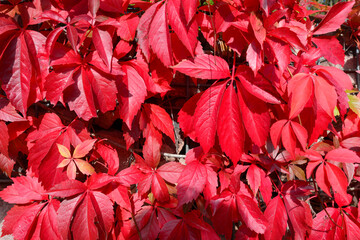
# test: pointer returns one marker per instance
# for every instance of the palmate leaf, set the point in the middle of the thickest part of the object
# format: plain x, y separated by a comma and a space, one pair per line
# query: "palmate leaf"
20, 66
85, 87
86, 204
44, 156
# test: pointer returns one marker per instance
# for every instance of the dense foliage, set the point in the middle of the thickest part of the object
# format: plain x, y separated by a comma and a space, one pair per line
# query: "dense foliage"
88, 117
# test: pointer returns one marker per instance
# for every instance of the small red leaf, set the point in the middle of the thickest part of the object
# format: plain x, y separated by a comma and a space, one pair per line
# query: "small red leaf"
343, 155
204, 66
191, 182
334, 18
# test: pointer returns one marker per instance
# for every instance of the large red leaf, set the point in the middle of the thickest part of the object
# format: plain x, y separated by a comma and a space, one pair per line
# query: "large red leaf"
300, 90
323, 226
276, 215
103, 43
186, 33
171, 171
334, 18
24, 190
251, 214
143, 29
191, 182
132, 93
339, 183
331, 49
206, 114
21, 220
229, 126
300, 217
159, 36
204, 66
44, 156
255, 116
343, 155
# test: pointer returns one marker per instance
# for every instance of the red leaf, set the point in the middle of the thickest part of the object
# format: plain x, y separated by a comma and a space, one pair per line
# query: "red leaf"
143, 29
352, 227
331, 49
206, 115
160, 119
254, 178
204, 66
289, 139
323, 226
255, 116
24, 190
343, 155
82, 212
159, 188
339, 183
300, 133
229, 126
251, 214
152, 145
103, 43
171, 171
254, 56
258, 28
276, 215
65, 214
186, 116
93, 6
16, 73
8, 112
276, 130
326, 96
130, 175
322, 179
6, 164
19, 221
132, 93
68, 188
334, 18
300, 90
191, 182
159, 36
186, 31
300, 217
189, 8
127, 29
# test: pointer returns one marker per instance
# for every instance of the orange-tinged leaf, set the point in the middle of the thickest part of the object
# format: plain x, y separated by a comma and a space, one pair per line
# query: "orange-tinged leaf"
83, 148
84, 167
64, 163
63, 151
71, 170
